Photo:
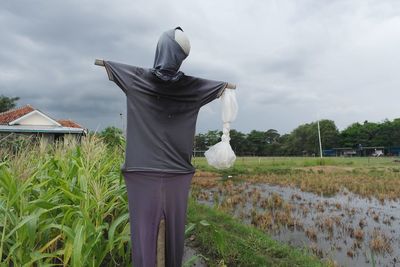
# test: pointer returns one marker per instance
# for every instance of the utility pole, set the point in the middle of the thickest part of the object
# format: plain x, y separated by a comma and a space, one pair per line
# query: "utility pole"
319, 139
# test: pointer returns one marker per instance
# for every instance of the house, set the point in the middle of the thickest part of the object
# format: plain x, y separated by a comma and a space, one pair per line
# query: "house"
30, 121
345, 151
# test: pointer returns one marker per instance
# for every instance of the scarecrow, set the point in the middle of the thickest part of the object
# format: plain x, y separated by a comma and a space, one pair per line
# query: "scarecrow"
162, 108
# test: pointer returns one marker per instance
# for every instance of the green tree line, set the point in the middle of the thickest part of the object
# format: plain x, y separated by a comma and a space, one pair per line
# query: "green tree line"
301, 141
304, 139
7, 103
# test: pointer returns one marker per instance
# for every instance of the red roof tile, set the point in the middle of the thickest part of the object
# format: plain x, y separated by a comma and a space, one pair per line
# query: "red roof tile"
10, 115
13, 114
69, 123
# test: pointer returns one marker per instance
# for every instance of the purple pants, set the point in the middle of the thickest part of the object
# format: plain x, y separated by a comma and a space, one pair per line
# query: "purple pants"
151, 196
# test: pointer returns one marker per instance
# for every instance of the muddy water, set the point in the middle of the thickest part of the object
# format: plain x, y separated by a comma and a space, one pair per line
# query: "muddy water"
348, 229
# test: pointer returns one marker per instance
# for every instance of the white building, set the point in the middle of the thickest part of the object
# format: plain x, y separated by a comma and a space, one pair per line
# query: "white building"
28, 121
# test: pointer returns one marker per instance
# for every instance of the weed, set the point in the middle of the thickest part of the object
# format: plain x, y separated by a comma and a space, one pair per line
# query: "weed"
380, 242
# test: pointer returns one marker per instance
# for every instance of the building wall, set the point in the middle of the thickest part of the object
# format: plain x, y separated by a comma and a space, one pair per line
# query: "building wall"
32, 136
50, 137
35, 119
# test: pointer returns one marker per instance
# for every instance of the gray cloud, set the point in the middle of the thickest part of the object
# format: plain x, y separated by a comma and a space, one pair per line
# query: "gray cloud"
293, 61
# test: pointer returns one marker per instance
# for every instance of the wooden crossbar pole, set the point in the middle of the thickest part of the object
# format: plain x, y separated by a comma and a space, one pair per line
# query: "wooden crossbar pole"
231, 86
99, 62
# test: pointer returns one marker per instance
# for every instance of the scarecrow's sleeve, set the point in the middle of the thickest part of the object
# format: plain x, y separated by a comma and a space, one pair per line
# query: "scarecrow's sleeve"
210, 90
121, 74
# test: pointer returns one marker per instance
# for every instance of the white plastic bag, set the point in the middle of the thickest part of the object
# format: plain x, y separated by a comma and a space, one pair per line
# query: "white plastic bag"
221, 155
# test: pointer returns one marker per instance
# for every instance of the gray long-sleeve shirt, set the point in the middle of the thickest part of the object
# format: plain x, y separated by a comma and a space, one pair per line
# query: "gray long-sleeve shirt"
162, 108
161, 117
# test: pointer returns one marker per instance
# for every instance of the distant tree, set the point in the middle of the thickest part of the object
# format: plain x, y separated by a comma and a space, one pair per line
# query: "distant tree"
351, 136
304, 139
262, 143
272, 145
271, 136
238, 142
385, 134
256, 142
329, 134
113, 136
360, 134
284, 145
212, 137
394, 133
200, 142
7, 103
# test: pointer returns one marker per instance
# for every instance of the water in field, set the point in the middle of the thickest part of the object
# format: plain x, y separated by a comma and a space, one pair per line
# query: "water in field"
350, 230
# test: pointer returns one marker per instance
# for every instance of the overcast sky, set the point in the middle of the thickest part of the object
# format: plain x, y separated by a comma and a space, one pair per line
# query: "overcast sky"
293, 61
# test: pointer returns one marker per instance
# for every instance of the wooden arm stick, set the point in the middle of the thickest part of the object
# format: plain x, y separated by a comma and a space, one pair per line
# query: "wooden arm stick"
231, 86
99, 62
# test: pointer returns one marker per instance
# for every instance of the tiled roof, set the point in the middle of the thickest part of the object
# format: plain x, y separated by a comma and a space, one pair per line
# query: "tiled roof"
13, 114
69, 123
10, 115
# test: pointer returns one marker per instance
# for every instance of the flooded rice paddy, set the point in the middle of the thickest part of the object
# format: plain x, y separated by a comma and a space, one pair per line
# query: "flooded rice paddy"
345, 229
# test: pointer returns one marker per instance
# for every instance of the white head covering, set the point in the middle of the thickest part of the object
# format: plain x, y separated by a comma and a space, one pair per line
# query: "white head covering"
182, 39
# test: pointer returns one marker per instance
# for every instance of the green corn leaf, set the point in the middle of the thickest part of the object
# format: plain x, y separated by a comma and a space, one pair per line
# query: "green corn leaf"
113, 227
189, 228
42, 204
78, 244
204, 223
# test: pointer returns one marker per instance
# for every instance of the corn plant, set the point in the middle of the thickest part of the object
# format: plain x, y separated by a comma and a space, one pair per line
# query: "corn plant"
63, 204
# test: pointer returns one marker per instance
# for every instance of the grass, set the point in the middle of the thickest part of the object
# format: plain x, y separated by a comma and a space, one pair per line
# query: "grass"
368, 177
259, 165
287, 165
225, 239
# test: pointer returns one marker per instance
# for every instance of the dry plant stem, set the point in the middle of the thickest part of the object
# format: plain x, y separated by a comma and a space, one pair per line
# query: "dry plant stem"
161, 244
